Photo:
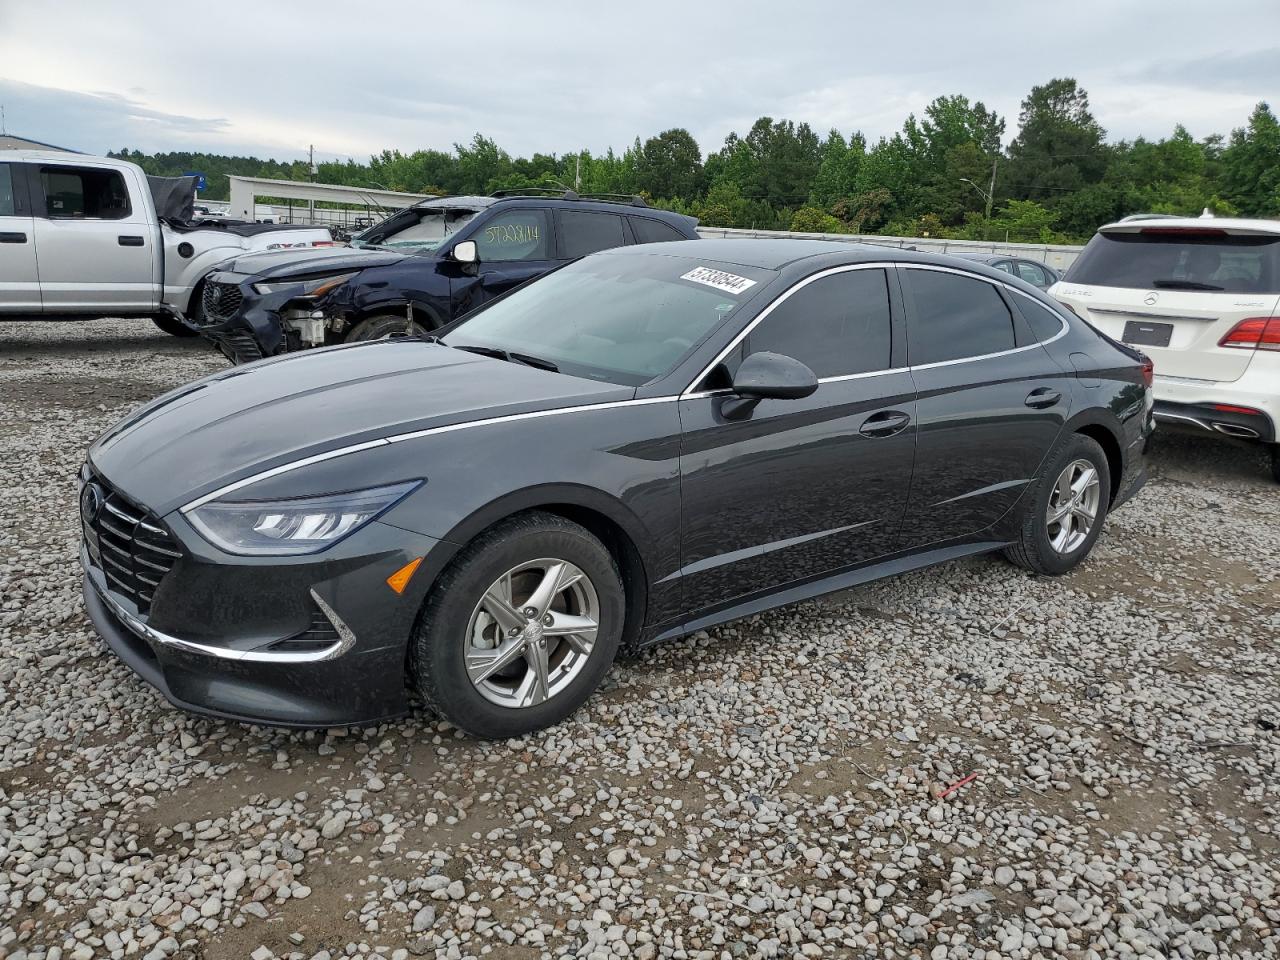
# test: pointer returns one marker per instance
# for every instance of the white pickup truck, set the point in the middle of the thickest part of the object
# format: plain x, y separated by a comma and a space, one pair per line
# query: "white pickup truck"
85, 237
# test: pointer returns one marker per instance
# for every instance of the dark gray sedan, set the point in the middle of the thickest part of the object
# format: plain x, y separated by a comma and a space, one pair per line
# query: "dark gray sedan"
651, 441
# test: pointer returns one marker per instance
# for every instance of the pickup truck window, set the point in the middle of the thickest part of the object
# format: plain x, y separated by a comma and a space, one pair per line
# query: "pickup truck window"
75, 193
7, 205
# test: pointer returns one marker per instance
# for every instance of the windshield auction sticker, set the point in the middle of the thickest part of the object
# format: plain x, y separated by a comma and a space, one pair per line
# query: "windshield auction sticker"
727, 282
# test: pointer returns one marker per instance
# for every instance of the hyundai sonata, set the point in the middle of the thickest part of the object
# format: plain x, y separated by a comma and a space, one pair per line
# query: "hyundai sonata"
648, 442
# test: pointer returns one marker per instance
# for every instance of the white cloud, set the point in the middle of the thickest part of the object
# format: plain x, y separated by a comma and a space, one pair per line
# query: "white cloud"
272, 78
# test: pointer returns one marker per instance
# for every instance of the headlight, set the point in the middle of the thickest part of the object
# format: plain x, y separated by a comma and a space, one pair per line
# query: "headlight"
317, 287
281, 527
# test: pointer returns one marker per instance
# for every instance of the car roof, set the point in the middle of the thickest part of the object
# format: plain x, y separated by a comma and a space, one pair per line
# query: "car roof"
985, 257
777, 253
1231, 225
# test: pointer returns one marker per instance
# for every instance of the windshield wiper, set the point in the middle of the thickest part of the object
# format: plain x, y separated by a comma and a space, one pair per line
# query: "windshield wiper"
1183, 285
509, 356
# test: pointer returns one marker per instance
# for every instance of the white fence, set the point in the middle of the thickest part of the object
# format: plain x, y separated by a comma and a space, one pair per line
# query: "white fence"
1058, 256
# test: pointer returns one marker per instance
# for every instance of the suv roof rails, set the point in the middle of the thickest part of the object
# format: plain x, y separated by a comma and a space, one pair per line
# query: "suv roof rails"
634, 200
1151, 216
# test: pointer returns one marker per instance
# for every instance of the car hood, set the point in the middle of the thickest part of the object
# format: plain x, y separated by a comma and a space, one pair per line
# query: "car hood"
252, 418
282, 264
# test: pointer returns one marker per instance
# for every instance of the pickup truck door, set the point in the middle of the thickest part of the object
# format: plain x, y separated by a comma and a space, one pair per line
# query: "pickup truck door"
96, 240
19, 281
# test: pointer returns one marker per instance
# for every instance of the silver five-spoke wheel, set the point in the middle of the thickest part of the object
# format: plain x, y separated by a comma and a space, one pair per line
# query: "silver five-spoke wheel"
532, 633
1073, 506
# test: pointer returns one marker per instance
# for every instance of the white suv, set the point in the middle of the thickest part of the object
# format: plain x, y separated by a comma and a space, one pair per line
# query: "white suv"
1200, 296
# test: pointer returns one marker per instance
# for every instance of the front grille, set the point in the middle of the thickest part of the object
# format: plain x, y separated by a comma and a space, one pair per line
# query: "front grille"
239, 347
126, 543
221, 301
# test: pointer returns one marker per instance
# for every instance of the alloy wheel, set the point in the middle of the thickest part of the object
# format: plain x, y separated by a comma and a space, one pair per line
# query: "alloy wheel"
1073, 506
532, 633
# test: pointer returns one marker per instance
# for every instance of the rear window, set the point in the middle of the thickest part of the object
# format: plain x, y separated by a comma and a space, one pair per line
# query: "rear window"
1166, 260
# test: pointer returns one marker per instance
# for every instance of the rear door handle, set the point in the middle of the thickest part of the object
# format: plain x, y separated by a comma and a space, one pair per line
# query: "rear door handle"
1042, 397
13, 238
885, 423
127, 241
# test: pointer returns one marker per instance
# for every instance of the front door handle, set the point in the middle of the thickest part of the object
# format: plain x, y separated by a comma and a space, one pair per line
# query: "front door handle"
13, 238
1042, 397
885, 423
127, 241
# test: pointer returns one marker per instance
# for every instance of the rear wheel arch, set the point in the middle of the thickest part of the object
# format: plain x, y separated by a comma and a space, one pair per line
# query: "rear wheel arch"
1106, 438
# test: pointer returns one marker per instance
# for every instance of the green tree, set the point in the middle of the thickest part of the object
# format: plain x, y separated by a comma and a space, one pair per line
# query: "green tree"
1059, 146
1251, 165
670, 165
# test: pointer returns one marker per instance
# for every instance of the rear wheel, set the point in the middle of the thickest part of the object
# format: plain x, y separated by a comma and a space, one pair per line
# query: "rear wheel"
383, 326
1064, 511
521, 628
173, 326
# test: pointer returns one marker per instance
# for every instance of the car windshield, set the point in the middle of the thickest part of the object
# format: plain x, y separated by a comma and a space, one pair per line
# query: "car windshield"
623, 319
1158, 258
421, 234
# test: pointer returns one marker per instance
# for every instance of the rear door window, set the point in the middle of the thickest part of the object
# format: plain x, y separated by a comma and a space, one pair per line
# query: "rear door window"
74, 193
653, 231
583, 232
953, 317
514, 235
1209, 261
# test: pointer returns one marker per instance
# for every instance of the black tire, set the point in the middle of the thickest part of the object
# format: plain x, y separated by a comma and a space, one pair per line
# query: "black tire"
173, 326
441, 640
1033, 548
1275, 461
383, 326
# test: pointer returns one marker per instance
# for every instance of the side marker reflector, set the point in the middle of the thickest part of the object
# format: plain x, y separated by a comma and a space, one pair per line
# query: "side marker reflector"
400, 579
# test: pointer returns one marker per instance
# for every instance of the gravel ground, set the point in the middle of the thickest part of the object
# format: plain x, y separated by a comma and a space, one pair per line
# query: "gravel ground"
773, 789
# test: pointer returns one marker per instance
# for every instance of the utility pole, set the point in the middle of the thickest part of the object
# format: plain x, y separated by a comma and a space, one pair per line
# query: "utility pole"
3, 129
577, 174
991, 193
311, 204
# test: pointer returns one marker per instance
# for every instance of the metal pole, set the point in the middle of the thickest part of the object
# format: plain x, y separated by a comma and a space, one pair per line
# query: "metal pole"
991, 194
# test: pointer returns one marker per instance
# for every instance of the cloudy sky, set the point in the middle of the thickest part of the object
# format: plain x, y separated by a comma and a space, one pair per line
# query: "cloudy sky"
353, 78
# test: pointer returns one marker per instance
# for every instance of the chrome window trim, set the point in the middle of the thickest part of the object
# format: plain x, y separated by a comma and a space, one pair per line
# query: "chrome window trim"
689, 393
412, 435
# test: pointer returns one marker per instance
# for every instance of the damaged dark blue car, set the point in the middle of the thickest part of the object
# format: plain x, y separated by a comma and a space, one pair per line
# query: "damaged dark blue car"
419, 269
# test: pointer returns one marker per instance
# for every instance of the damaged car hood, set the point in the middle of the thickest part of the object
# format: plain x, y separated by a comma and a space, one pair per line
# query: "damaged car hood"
283, 264
240, 422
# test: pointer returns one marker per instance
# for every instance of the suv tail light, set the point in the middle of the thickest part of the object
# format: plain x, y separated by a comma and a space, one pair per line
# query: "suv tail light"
1148, 372
1256, 333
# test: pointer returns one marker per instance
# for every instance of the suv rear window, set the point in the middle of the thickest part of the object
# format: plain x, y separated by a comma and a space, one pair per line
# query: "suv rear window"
1166, 259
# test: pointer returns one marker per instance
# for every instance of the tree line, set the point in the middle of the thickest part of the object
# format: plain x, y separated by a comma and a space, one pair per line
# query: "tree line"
945, 174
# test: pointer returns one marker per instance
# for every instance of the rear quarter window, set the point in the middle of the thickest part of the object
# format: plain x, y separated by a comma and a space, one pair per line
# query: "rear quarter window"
654, 231
1044, 323
1167, 259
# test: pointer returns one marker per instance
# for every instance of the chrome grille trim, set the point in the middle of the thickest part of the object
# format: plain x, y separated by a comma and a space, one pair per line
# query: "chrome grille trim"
129, 546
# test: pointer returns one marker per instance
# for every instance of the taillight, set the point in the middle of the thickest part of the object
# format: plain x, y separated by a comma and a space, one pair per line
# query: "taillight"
1232, 408
1256, 333
324, 243
1148, 371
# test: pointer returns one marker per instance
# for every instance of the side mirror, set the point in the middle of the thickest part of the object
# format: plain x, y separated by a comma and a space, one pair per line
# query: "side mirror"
767, 375
466, 252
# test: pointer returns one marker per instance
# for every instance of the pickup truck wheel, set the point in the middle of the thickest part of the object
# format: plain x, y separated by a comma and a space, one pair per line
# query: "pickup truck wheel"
173, 326
384, 326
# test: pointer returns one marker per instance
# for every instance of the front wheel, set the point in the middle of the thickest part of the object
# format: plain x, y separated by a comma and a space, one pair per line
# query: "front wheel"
383, 327
521, 627
1064, 511
173, 326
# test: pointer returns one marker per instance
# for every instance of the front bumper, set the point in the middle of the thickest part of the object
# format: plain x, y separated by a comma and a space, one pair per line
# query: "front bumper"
239, 640
254, 329
1204, 406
